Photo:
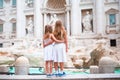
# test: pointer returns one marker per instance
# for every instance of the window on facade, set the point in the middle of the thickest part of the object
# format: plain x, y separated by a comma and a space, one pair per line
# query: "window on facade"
112, 19
13, 27
1, 28
1, 44
1, 3
13, 3
113, 42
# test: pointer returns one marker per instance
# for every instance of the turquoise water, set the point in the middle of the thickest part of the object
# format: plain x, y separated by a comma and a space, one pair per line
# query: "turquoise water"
31, 70
117, 71
68, 71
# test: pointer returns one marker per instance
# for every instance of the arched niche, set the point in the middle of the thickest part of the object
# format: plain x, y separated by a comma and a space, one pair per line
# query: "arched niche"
55, 7
1, 21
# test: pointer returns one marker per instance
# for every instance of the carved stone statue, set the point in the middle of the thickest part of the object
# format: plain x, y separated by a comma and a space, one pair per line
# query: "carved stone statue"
96, 54
29, 27
53, 19
87, 26
29, 3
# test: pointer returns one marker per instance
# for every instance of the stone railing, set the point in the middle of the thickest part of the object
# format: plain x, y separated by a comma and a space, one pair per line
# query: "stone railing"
8, 36
109, 1
67, 77
113, 29
86, 1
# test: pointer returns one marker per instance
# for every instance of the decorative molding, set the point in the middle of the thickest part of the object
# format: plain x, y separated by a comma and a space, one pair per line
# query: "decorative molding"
111, 2
55, 4
1, 21
112, 11
86, 2
29, 11
13, 20
112, 29
49, 10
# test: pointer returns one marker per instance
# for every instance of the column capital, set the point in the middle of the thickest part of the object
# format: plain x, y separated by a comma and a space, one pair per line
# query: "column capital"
44, 10
68, 7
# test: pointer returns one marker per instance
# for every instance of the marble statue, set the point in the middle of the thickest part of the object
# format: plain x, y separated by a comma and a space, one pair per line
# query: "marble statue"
87, 26
53, 19
29, 27
97, 53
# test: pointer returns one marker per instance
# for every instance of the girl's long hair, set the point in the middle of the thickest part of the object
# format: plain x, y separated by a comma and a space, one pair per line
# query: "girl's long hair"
48, 30
59, 31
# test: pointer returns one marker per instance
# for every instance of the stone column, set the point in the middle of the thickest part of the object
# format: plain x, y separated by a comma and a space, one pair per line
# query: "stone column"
94, 18
99, 11
20, 19
38, 21
68, 17
75, 18
119, 12
45, 19
8, 29
68, 20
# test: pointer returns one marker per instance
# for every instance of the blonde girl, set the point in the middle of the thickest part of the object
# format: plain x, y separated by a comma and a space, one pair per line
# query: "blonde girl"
60, 49
48, 40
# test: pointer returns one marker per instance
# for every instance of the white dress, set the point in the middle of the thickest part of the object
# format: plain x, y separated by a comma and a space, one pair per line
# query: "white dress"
59, 52
48, 51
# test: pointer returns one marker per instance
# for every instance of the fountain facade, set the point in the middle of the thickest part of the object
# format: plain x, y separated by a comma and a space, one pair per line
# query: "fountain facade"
82, 43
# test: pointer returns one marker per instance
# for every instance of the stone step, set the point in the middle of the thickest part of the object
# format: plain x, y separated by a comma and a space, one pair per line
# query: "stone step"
67, 77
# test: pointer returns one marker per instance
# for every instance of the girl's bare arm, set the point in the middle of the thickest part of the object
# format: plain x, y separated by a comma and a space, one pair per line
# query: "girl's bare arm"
66, 43
50, 42
58, 41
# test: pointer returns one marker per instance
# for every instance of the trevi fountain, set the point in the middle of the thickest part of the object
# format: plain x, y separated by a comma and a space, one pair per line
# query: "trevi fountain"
78, 56
93, 30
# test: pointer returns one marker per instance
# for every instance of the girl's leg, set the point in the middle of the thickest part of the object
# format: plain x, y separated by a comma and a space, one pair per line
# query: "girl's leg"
46, 67
51, 65
61, 73
56, 66
61, 66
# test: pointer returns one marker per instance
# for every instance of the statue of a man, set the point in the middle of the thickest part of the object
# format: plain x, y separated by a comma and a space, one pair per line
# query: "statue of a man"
53, 19
29, 26
87, 26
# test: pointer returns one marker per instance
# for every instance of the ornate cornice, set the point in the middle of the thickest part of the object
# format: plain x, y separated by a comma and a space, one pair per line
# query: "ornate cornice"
1, 21
112, 11
13, 20
49, 10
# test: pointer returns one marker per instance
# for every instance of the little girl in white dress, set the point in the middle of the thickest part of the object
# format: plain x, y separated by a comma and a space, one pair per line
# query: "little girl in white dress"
48, 42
